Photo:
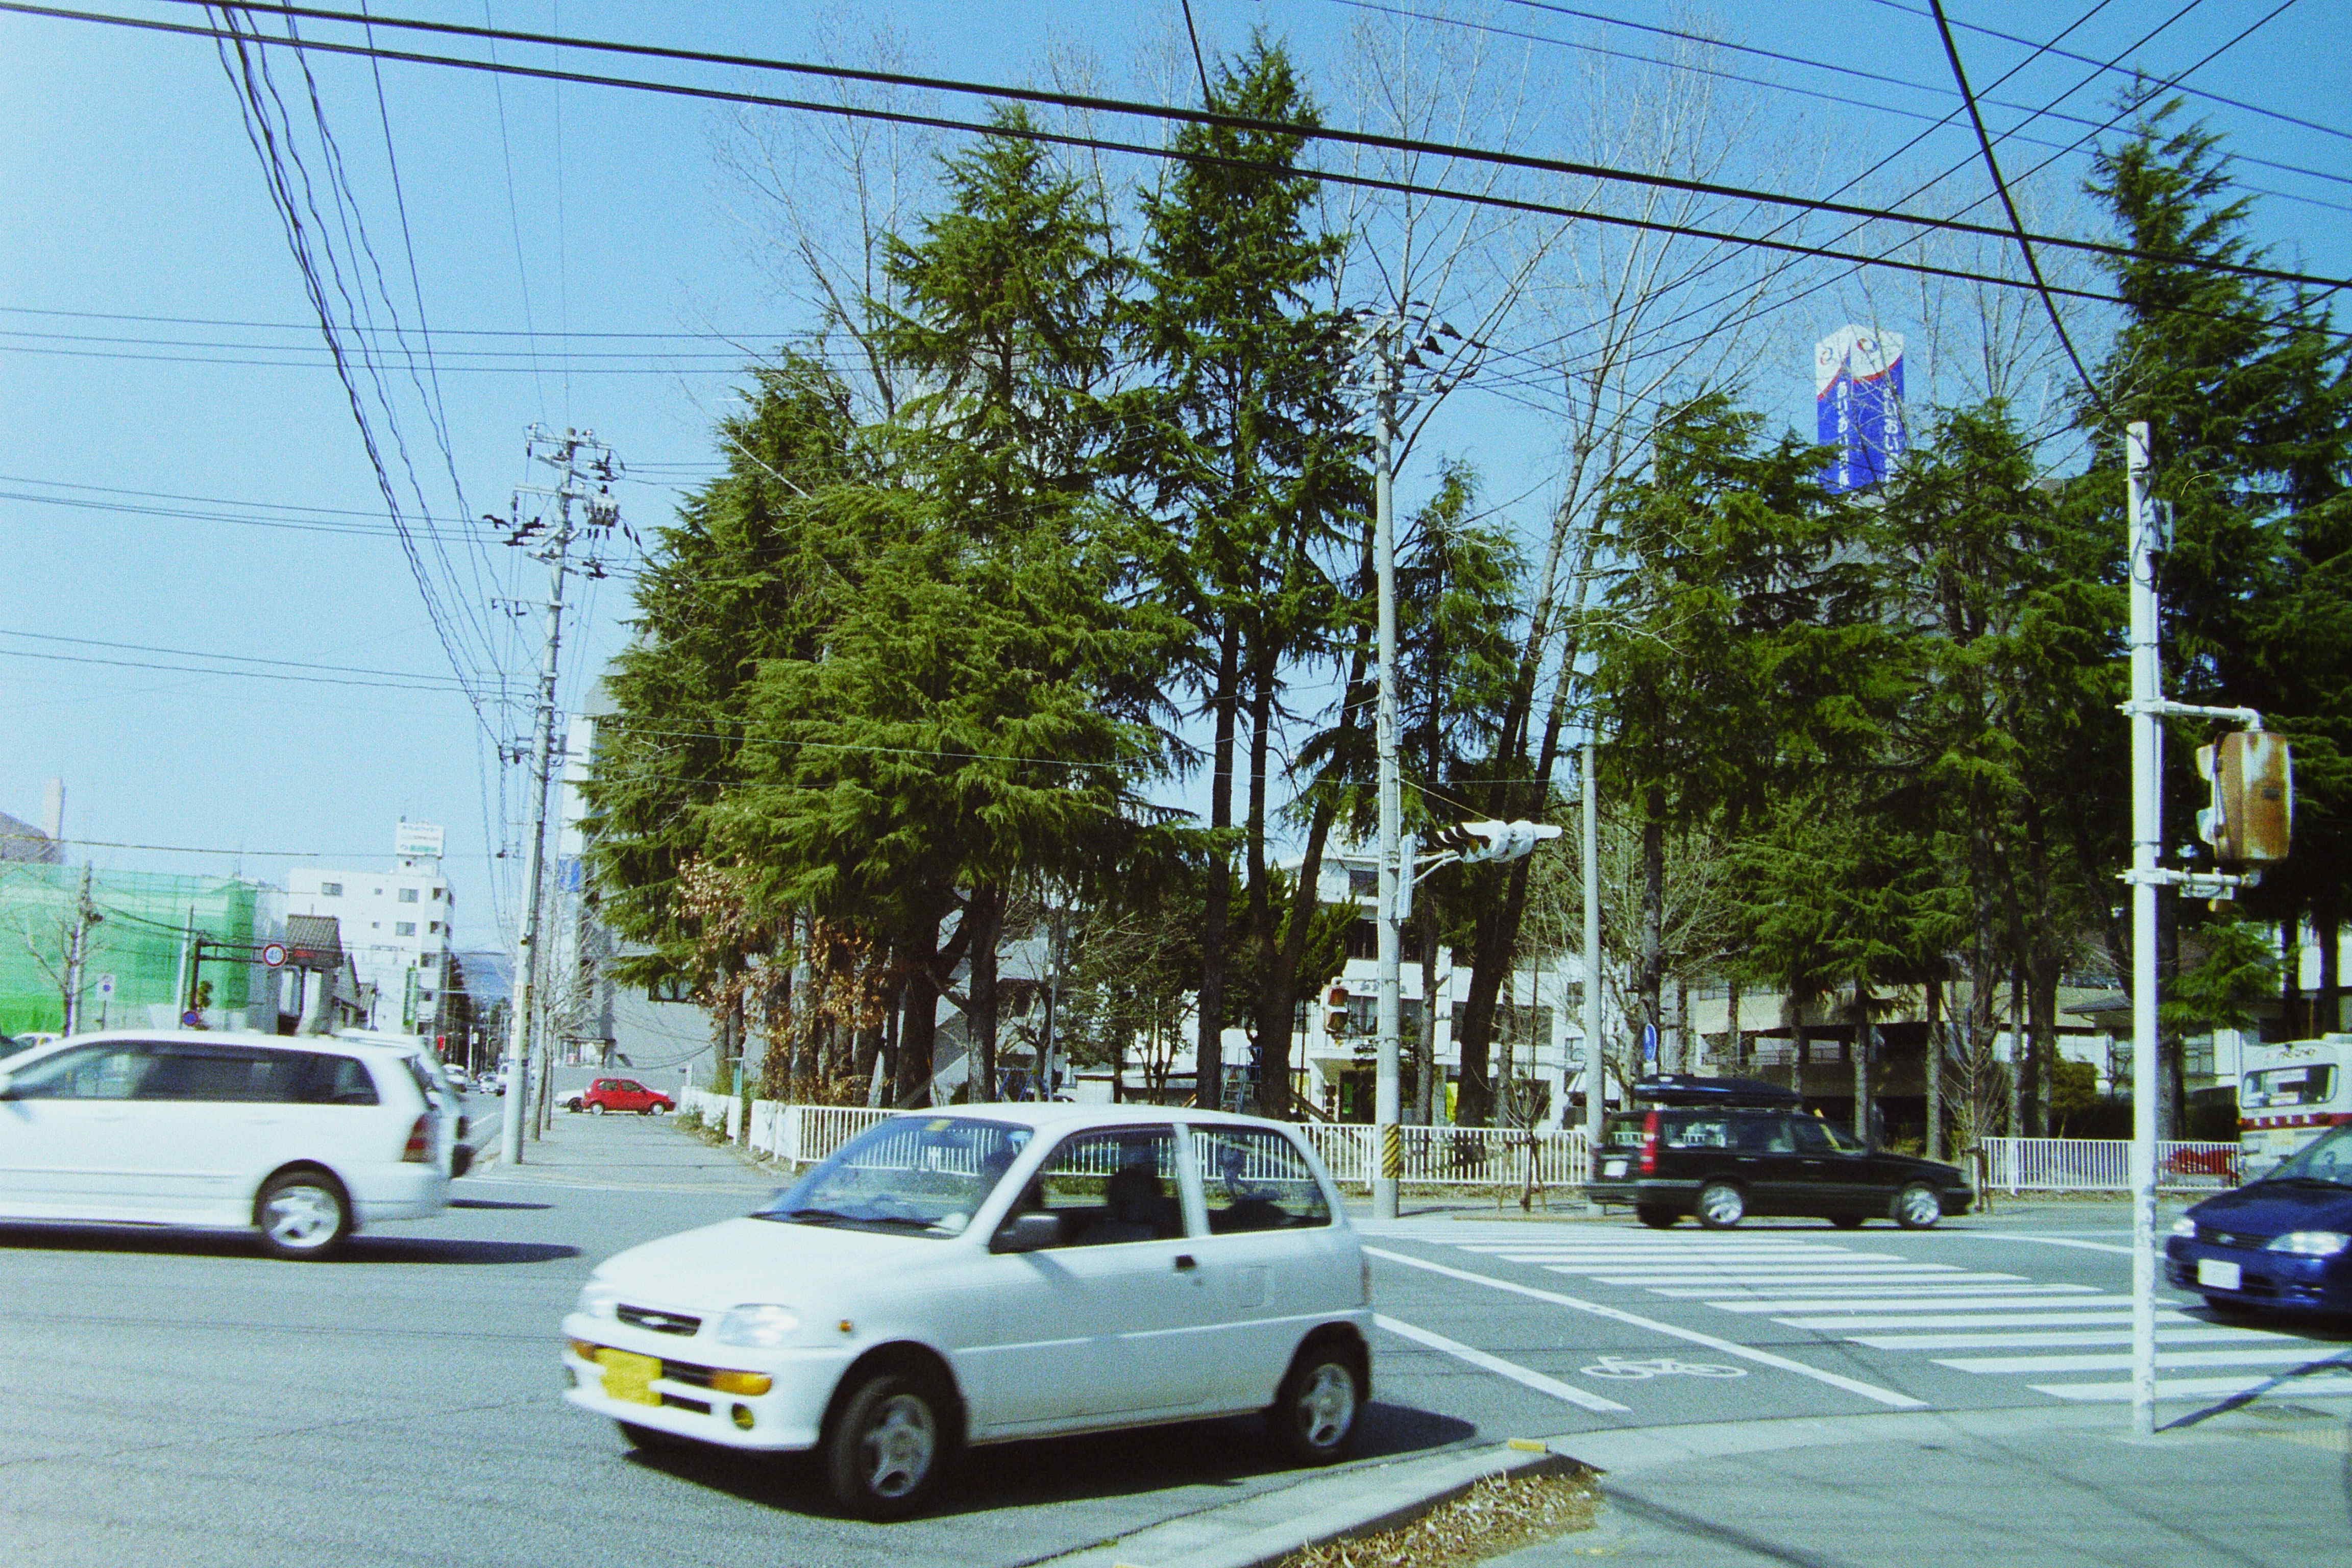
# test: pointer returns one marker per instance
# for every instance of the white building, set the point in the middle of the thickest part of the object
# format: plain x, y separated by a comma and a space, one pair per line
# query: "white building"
395, 926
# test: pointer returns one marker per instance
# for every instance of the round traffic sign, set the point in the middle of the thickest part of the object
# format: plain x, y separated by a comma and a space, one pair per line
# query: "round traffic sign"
274, 955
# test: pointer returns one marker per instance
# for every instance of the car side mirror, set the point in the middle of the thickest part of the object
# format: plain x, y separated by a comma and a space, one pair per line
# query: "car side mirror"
1027, 1233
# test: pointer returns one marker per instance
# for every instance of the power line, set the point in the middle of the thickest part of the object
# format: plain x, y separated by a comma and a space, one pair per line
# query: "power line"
1702, 40
303, 664
1373, 141
2008, 203
2109, 65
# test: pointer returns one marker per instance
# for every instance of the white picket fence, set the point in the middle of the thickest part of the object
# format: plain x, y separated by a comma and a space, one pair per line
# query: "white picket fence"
2103, 1165
1434, 1156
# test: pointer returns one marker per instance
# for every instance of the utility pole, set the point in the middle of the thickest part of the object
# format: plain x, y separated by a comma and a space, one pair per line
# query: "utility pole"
85, 916
2147, 832
1595, 1072
564, 453
1388, 1137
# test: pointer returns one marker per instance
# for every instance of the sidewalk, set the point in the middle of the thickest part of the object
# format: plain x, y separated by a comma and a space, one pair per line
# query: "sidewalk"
2065, 1487
645, 1153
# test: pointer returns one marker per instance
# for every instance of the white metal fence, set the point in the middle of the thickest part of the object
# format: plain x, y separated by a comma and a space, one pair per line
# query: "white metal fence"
2103, 1165
1434, 1156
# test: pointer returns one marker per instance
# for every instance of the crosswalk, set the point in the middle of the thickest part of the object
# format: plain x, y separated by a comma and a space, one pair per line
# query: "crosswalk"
2070, 1341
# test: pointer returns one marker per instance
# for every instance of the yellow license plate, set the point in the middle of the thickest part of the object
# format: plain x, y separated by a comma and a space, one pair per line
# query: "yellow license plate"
629, 1377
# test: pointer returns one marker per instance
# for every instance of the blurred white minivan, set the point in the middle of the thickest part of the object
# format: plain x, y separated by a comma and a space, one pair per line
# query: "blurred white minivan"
303, 1139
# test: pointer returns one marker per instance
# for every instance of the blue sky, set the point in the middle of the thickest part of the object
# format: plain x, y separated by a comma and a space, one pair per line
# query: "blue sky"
127, 190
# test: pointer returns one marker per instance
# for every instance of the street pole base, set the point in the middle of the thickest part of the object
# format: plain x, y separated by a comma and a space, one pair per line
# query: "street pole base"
1385, 1197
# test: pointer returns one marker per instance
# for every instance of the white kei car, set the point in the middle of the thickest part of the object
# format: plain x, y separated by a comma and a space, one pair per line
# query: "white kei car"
302, 1139
992, 1272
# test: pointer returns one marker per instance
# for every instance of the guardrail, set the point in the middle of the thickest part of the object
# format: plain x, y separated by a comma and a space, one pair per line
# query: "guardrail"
2103, 1165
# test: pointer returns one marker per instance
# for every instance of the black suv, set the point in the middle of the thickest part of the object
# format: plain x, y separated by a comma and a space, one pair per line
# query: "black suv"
1723, 1149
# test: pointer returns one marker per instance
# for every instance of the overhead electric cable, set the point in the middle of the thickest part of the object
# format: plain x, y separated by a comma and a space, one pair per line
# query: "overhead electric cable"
1366, 139
2049, 111
2008, 203
2113, 66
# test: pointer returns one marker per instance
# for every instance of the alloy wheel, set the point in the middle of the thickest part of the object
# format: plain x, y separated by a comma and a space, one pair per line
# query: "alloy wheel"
899, 1446
302, 1216
1326, 1405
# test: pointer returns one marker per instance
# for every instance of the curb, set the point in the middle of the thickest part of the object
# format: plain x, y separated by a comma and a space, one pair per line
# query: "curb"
1268, 1527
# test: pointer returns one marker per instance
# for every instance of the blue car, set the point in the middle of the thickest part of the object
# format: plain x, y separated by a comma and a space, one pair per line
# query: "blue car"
2282, 1243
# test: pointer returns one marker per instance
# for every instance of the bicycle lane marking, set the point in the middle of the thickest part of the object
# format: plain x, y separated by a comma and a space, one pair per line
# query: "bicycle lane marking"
1886, 1396
1525, 1376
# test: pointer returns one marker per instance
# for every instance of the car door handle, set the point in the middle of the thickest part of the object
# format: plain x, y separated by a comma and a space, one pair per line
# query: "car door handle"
1184, 1263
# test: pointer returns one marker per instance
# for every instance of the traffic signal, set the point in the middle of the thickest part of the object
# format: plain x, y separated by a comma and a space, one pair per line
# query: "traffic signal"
1335, 1011
1476, 841
2250, 818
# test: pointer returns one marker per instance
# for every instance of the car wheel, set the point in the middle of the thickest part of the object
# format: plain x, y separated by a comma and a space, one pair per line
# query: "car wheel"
653, 1438
597, 1109
1655, 1216
888, 1446
302, 1214
1315, 1411
1917, 1208
1847, 1221
1721, 1206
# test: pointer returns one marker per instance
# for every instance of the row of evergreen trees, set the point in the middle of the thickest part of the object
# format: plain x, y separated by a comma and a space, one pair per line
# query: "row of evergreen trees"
908, 679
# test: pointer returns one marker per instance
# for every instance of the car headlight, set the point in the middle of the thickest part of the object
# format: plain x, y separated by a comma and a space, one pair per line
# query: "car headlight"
2310, 1243
597, 1299
2184, 1227
757, 1324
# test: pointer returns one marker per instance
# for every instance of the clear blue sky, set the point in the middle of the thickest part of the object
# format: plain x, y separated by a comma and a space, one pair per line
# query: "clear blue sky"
127, 190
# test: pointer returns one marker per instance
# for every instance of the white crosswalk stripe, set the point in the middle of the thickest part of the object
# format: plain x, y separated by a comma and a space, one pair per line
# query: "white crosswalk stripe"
2047, 1332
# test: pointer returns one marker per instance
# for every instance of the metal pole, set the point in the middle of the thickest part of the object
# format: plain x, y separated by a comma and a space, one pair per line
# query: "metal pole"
518, 1066
1386, 1110
2147, 829
1595, 1072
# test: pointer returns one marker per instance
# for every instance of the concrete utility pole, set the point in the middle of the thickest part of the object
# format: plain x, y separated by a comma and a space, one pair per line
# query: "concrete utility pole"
85, 916
1389, 1137
1595, 1072
2148, 833
564, 453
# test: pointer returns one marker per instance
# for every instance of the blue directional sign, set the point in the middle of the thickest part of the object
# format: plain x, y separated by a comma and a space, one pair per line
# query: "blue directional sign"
1649, 1046
1858, 404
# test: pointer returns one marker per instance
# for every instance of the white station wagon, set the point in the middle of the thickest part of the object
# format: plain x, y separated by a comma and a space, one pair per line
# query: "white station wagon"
301, 1138
987, 1273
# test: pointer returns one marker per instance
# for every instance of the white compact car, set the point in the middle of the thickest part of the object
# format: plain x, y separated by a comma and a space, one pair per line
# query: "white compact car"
304, 1140
987, 1273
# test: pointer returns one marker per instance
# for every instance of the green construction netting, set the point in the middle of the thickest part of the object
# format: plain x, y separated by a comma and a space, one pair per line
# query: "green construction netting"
139, 939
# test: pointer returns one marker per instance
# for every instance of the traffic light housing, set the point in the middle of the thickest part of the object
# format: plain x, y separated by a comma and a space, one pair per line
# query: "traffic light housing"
1478, 841
1335, 1011
2250, 818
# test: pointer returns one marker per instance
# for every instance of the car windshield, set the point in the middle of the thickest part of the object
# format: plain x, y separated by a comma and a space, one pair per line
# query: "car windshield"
2328, 1159
912, 1175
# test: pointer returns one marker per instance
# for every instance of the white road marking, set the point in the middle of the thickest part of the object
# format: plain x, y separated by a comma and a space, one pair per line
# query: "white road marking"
2049, 1241
1526, 1376
2008, 1285
2199, 1335
1706, 1284
2026, 1297
2199, 1388
1978, 1319
2294, 1355
1728, 1347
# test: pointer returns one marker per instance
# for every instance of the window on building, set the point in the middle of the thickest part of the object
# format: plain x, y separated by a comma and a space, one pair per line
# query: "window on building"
1363, 939
431, 928
436, 895
1363, 884
330, 889
404, 928
407, 895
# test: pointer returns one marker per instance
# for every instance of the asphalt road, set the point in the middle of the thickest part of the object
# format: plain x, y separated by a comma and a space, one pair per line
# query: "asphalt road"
182, 1401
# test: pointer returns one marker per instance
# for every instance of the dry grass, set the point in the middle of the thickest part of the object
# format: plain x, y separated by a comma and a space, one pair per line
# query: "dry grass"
1499, 1514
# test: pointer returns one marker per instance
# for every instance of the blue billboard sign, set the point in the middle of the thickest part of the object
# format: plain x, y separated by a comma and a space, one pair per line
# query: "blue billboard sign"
1858, 405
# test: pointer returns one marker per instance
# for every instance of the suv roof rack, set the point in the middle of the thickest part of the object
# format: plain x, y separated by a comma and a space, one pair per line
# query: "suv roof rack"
1689, 1088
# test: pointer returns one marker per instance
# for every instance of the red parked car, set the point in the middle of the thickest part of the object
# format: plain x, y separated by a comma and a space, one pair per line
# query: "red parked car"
624, 1094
